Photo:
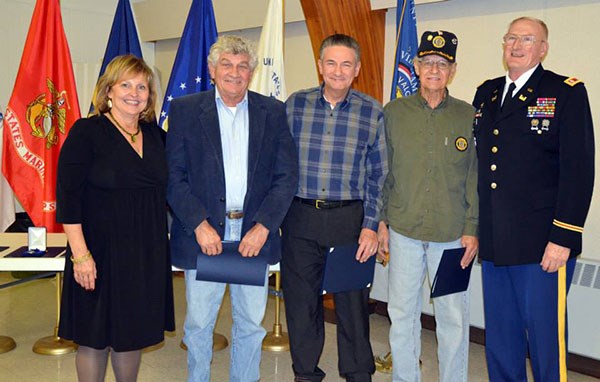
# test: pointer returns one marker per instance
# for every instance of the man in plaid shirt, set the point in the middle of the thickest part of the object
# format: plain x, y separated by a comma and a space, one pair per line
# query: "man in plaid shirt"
341, 145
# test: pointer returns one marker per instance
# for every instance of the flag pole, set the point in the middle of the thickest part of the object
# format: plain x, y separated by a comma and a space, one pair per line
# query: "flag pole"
54, 345
278, 340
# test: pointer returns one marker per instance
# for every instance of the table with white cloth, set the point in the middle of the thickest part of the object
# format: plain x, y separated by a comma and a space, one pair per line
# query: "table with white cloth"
16, 240
51, 345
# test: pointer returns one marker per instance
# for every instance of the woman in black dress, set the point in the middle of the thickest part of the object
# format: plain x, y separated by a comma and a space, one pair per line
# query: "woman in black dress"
112, 175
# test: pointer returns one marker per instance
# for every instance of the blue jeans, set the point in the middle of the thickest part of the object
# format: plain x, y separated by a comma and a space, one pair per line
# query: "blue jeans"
248, 305
409, 260
233, 229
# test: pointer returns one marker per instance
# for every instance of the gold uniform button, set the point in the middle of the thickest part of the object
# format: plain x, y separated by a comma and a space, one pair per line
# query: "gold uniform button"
496, 131
493, 167
494, 149
493, 185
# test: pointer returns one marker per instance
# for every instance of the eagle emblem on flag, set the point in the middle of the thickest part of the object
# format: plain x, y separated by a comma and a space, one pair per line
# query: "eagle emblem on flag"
45, 116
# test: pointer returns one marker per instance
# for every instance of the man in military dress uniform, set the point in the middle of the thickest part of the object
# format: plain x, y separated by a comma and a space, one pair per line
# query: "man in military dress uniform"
535, 147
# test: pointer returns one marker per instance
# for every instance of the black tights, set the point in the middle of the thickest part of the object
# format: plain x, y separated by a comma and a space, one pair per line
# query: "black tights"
91, 364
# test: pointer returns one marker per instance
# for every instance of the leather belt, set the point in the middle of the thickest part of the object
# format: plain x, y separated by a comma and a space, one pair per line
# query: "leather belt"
234, 214
324, 204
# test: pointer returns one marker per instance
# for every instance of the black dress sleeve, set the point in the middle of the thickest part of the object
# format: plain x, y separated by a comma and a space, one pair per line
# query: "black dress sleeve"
74, 162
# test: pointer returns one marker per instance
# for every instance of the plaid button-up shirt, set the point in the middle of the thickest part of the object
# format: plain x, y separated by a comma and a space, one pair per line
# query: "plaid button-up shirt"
342, 151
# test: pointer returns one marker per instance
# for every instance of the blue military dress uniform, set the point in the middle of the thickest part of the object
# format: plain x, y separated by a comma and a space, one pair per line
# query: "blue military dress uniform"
536, 174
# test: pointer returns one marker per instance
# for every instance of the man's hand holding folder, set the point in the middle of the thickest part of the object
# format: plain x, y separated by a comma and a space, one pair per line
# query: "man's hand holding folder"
208, 239
471, 245
451, 277
231, 267
210, 242
344, 273
254, 240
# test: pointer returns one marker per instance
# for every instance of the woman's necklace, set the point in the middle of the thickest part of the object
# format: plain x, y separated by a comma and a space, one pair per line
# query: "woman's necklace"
131, 136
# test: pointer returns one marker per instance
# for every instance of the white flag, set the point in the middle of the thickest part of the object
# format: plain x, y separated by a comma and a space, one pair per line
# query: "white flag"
7, 201
268, 76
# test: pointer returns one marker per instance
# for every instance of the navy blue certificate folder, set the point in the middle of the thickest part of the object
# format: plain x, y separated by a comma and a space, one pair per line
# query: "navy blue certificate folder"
450, 277
344, 273
231, 267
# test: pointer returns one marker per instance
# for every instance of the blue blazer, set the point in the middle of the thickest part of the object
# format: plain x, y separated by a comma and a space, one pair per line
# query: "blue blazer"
196, 186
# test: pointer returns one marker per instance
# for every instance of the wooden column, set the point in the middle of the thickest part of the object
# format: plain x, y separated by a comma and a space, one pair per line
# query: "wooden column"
354, 18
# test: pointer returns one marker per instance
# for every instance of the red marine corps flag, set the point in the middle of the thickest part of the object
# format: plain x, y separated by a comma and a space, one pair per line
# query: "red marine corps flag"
41, 110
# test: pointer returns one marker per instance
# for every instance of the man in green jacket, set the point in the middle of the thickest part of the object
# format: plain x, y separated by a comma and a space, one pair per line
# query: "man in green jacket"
430, 204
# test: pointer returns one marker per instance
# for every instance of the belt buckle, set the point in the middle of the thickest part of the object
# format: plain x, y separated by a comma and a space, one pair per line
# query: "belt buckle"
319, 201
235, 214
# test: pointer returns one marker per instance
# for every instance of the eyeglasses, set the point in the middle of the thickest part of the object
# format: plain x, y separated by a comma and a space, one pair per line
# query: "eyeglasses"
525, 40
429, 64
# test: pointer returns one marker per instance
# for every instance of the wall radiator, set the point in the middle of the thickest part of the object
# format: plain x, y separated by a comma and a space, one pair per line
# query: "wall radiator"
583, 304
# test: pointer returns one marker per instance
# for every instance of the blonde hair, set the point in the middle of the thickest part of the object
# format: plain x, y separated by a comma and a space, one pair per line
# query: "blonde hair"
121, 66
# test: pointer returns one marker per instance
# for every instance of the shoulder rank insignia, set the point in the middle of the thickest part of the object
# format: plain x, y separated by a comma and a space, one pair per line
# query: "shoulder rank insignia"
572, 81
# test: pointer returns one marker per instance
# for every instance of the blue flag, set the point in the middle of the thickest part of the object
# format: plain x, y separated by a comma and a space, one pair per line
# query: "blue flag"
123, 37
190, 71
405, 80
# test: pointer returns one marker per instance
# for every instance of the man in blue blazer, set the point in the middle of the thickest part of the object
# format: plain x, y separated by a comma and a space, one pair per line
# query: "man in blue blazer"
233, 172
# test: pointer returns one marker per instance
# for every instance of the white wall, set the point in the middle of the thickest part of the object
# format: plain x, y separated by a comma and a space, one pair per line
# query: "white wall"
252, 12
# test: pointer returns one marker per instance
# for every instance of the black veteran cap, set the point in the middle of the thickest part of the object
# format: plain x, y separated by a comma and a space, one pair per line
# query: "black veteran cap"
441, 43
